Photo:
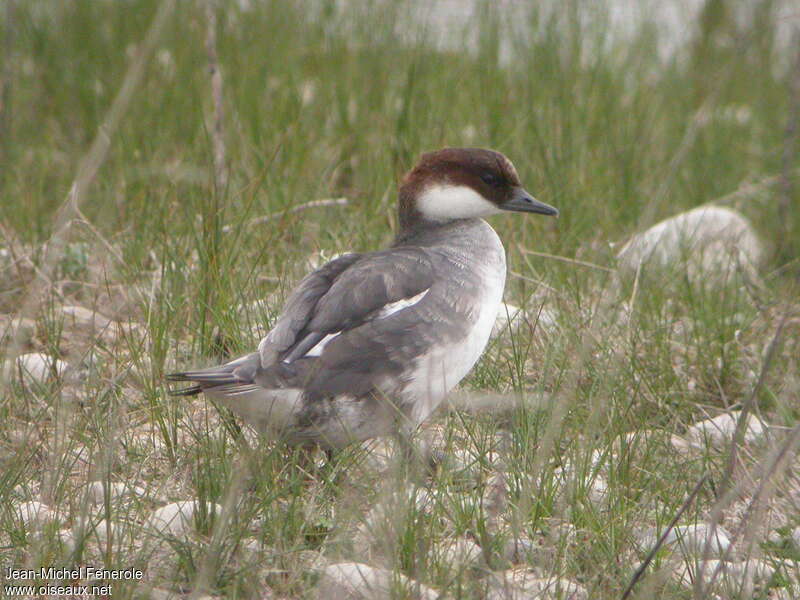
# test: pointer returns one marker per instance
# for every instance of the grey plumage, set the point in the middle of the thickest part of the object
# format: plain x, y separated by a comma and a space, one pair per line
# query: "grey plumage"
368, 357
371, 343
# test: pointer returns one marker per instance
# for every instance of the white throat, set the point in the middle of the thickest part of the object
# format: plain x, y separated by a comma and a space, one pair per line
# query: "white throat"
442, 202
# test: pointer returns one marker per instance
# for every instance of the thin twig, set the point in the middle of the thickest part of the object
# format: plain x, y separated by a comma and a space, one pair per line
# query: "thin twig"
217, 130
87, 171
573, 261
790, 143
294, 209
749, 189
660, 542
82, 220
773, 463
533, 281
699, 119
747, 407
5, 86
233, 493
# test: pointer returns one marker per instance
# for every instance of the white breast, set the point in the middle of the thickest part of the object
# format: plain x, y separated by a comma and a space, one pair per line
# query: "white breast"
439, 371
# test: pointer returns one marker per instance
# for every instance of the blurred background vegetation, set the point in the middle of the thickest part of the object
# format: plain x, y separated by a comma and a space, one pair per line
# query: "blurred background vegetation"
620, 120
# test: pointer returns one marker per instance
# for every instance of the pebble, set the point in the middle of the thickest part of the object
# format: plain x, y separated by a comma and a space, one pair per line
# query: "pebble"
691, 539
36, 367
67, 539
712, 239
177, 518
720, 430
34, 514
354, 580
96, 532
509, 318
83, 317
594, 484
379, 454
386, 519
796, 537
683, 446
525, 583
458, 553
519, 549
97, 491
739, 576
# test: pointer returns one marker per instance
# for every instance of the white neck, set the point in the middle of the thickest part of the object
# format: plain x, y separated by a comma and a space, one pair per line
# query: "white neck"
443, 202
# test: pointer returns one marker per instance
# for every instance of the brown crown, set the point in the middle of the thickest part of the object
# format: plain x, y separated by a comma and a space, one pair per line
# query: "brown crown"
487, 172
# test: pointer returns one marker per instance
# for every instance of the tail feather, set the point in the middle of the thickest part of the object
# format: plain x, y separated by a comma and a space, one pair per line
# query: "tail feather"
190, 391
211, 376
234, 373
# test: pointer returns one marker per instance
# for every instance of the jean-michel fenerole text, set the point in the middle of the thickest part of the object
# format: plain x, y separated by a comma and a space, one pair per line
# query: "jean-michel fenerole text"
77, 574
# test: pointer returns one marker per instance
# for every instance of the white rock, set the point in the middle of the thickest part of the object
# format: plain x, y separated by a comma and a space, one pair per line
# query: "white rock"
84, 317
391, 510
720, 430
66, 537
458, 553
525, 584
691, 539
509, 318
103, 528
96, 491
352, 580
97, 531
472, 459
795, 536
598, 489
545, 319
568, 478
34, 514
35, 367
177, 518
683, 446
379, 454
732, 576
521, 548
712, 240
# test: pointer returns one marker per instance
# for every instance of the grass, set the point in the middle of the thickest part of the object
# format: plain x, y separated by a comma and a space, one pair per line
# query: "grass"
336, 103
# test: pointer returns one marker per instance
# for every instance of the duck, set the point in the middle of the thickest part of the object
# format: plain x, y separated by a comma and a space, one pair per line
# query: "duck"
370, 344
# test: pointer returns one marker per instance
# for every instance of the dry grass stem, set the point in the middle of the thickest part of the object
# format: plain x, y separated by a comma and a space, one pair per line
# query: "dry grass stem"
218, 128
323, 203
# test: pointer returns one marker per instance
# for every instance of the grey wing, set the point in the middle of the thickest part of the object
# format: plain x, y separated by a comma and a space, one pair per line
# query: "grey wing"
346, 301
343, 295
376, 285
299, 309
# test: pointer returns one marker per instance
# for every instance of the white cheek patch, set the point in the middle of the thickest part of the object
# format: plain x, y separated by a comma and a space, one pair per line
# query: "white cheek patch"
444, 202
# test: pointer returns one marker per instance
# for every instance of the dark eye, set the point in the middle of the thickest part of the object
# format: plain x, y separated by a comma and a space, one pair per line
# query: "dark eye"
491, 179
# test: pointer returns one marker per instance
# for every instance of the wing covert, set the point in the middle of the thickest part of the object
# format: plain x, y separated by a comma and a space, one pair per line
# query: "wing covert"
343, 295
299, 308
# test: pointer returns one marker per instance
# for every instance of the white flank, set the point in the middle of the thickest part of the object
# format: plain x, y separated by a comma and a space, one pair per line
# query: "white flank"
317, 350
388, 309
445, 202
393, 307
264, 409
